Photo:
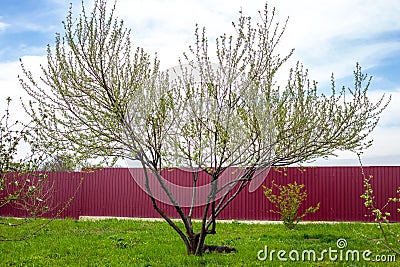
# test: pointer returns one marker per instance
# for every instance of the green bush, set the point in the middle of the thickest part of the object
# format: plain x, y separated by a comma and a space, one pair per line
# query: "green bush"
288, 202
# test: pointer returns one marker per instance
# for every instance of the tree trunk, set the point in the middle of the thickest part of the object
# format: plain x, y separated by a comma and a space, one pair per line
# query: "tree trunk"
196, 244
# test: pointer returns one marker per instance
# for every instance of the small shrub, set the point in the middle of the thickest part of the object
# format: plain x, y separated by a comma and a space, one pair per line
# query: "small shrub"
288, 202
381, 217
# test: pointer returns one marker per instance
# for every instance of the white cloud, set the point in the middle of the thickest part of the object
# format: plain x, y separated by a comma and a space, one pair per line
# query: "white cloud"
3, 26
390, 118
323, 32
167, 27
10, 86
386, 141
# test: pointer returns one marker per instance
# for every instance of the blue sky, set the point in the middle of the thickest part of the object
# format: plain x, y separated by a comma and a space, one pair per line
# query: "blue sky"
329, 37
26, 26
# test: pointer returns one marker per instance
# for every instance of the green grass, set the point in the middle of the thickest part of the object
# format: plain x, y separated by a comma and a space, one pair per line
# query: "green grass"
140, 243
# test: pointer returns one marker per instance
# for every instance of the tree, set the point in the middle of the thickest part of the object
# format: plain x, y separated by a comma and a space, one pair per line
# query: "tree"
58, 163
390, 238
24, 185
105, 101
20, 186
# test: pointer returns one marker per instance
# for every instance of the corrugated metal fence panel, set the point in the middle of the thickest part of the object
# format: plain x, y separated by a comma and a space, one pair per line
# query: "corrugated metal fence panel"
114, 192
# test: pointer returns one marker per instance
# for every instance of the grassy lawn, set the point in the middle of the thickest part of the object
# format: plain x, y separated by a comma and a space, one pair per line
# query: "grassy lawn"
140, 243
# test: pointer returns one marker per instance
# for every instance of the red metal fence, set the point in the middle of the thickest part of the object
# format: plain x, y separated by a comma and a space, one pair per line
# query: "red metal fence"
113, 192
